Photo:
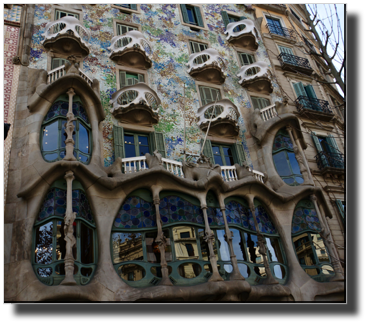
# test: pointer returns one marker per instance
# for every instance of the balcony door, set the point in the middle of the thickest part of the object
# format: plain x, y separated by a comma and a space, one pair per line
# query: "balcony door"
328, 150
307, 97
287, 55
275, 26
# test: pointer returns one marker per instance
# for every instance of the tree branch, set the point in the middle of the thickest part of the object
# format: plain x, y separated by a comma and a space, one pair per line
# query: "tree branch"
335, 51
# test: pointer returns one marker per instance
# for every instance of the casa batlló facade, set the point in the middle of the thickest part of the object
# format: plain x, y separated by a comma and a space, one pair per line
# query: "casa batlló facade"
170, 153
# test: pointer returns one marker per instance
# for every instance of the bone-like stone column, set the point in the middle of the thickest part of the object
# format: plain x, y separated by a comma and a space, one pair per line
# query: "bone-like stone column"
209, 239
262, 247
299, 156
69, 231
326, 235
235, 275
161, 240
70, 128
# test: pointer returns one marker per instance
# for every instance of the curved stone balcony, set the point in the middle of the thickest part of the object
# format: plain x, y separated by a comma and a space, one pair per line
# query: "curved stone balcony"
131, 49
67, 36
136, 104
207, 66
243, 34
224, 118
256, 77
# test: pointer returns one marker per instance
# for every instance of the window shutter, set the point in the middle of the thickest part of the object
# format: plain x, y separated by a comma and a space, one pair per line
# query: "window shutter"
134, 7
286, 50
225, 17
256, 104
157, 143
317, 142
141, 78
331, 141
310, 92
118, 141
207, 150
340, 208
299, 89
135, 81
239, 153
184, 13
197, 11
122, 79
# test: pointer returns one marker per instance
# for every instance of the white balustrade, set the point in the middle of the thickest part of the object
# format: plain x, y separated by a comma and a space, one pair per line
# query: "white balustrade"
55, 74
268, 112
259, 176
86, 78
134, 164
229, 173
174, 167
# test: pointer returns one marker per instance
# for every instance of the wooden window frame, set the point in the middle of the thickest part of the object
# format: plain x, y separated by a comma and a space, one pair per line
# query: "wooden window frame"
130, 70
128, 10
193, 27
203, 84
238, 52
254, 94
121, 22
198, 41
137, 145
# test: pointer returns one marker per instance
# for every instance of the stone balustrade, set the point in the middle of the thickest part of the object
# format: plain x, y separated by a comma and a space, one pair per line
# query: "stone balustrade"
268, 112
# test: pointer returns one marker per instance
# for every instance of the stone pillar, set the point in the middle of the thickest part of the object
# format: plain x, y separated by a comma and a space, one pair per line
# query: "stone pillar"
69, 231
326, 235
209, 236
70, 128
235, 275
300, 158
262, 247
161, 240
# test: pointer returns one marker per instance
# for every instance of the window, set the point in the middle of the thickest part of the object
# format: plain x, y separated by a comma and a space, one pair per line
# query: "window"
287, 55
49, 245
260, 102
275, 26
307, 97
129, 79
328, 151
296, 16
53, 135
57, 62
341, 208
192, 15
122, 29
284, 159
135, 145
209, 94
223, 155
197, 47
309, 246
59, 14
228, 18
246, 59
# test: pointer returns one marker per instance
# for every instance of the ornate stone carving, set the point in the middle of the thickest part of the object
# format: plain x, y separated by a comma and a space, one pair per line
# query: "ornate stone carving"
247, 37
260, 81
69, 128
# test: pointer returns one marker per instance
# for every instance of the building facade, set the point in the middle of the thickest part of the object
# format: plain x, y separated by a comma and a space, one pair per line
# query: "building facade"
171, 153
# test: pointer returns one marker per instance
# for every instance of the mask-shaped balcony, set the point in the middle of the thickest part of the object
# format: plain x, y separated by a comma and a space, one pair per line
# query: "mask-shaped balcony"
131, 49
207, 66
224, 118
137, 104
67, 36
256, 77
243, 34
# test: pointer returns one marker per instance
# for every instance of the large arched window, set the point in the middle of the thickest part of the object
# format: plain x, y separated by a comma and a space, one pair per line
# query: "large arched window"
284, 159
53, 135
49, 246
245, 241
309, 246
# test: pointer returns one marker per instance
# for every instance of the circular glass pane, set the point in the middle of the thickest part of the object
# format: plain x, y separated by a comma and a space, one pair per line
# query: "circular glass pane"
189, 270
279, 271
244, 270
131, 272
50, 157
228, 268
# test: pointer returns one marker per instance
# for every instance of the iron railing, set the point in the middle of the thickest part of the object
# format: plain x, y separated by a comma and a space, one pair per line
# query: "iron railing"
305, 102
330, 159
300, 62
281, 31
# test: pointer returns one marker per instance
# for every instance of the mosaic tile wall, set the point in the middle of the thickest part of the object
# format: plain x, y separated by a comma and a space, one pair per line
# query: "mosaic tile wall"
13, 14
161, 26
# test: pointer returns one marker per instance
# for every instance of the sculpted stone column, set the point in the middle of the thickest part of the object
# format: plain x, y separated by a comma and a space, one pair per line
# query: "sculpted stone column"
262, 247
235, 275
69, 231
209, 238
161, 240
326, 235
299, 156
69, 128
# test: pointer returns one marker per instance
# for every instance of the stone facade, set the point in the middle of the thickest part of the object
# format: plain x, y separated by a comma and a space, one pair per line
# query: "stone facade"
194, 267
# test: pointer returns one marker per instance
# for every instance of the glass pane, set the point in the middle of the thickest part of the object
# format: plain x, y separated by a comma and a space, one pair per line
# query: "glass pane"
50, 137
299, 180
281, 163
228, 268
185, 243
45, 272
320, 248
189, 270
294, 163
60, 269
63, 137
238, 247
223, 246
129, 149
204, 246
44, 244
279, 271
127, 247
83, 139
51, 157
131, 272
244, 270
312, 271
153, 252
253, 248
143, 140
83, 158
217, 157
303, 249
274, 250
60, 241
191, 18
86, 244
156, 271
228, 156
129, 139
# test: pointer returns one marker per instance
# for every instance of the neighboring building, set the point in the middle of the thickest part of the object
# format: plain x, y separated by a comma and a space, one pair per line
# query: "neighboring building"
109, 196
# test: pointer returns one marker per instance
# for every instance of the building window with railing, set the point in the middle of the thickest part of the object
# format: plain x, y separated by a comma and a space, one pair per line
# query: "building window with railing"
191, 15
307, 99
328, 154
224, 155
276, 27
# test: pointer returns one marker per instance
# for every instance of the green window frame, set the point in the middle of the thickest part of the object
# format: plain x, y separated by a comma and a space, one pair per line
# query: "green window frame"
228, 18
284, 159
53, 126
260, 102
129, 79
61, 13
123, 29
223, 155
341, 209
192, 15
209, 94
197, 47
57, 62
49, 266
236, 150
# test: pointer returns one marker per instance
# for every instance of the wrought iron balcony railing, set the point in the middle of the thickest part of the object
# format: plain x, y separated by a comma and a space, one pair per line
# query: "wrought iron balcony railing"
307, 103
281, 31
297, 61
330, 160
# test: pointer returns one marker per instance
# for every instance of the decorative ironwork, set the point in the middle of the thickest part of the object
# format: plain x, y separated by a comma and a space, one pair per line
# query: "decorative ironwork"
305, 102
301, 62
281, 31
329, 159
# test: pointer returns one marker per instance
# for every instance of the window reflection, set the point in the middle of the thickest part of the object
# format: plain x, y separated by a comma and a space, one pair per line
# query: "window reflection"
320, 249
127, 247
189, 270
303, 249
223, 246
153, 252
44, 244
274, 250
131, 272
253, 248
185, 243
238, 246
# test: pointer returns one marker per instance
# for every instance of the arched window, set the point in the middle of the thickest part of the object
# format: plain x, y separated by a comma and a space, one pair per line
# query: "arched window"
53, 135
309, 246
245, 241
49, 246
284, 159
